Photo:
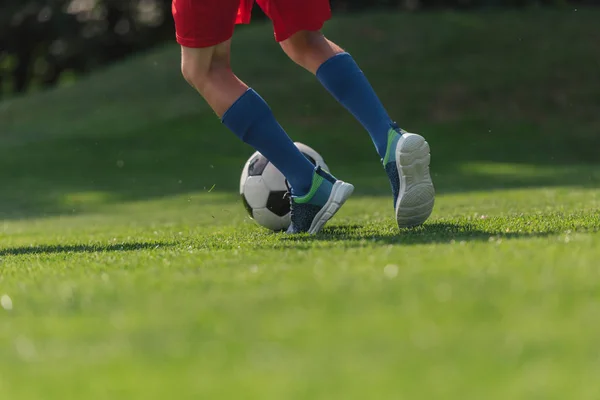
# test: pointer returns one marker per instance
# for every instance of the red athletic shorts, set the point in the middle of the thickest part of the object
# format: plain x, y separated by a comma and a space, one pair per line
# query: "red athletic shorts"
205, 23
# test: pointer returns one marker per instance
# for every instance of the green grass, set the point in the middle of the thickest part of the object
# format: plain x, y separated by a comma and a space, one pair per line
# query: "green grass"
123, 276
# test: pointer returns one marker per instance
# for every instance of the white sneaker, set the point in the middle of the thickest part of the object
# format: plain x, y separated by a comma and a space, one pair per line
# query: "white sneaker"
407, 165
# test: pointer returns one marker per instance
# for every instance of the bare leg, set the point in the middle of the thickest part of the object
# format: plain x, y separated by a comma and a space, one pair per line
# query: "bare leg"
244, 112
310, 49
208, 70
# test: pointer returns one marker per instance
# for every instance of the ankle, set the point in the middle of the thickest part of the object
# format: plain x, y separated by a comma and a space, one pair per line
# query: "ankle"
393, 135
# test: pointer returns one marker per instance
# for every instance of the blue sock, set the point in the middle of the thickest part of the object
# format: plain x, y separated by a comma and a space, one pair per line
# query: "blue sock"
251, 119
342, 77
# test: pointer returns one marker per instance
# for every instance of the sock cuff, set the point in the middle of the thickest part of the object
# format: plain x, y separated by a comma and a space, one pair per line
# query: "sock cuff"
324, 68
317, 180
245, 111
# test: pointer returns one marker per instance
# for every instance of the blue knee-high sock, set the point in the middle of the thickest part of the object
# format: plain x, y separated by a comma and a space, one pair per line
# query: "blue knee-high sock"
343, 78
252, 120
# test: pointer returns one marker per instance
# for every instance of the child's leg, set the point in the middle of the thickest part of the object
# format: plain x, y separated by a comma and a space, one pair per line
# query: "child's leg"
244, 112
204, 29
208, 71
405, 156
316, 195
297, 26
342, 77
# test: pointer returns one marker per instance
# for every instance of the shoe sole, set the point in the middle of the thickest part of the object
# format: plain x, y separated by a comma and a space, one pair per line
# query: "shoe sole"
339, 194
416, 193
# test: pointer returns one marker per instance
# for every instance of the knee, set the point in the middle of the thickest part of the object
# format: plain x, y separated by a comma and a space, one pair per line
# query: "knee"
194, 73
199, 73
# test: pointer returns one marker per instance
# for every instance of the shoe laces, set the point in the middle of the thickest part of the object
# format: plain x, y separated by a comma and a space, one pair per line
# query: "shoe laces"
288, 195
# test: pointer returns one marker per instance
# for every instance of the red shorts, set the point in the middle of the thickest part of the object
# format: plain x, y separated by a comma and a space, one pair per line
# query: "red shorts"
205, 23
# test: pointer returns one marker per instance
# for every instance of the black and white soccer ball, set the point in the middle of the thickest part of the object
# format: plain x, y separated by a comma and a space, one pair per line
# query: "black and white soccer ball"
264, 191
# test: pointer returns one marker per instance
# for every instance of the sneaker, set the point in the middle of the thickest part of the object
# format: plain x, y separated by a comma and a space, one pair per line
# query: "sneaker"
407, 165
311, 211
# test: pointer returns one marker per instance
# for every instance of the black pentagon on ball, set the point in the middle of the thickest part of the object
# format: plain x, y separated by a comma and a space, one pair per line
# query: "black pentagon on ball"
246, 205
279, 203
257, 165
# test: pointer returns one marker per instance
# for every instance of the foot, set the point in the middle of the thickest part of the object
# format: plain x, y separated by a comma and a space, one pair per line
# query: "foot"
407, 165
312, 211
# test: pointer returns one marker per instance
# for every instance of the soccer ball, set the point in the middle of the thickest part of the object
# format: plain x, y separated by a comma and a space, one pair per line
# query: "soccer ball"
264, 192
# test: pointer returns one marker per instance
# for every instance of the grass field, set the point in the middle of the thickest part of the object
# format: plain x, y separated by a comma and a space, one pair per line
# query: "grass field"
124, 276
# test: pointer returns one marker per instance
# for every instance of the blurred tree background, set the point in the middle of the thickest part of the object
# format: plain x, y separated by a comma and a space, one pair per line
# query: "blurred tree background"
43, 42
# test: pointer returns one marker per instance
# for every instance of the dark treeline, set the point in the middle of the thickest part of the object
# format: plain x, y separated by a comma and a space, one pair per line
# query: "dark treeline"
40, 40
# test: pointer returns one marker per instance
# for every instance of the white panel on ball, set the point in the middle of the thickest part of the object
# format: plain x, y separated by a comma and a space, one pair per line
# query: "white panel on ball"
270, 220
273, 178
256, 192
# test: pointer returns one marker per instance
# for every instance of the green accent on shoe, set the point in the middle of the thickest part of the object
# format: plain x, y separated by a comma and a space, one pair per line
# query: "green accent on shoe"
317, 181
391, 135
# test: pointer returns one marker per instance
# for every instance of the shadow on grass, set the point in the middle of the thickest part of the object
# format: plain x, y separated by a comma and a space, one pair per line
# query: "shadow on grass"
81, 248
449, 232
355, 235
